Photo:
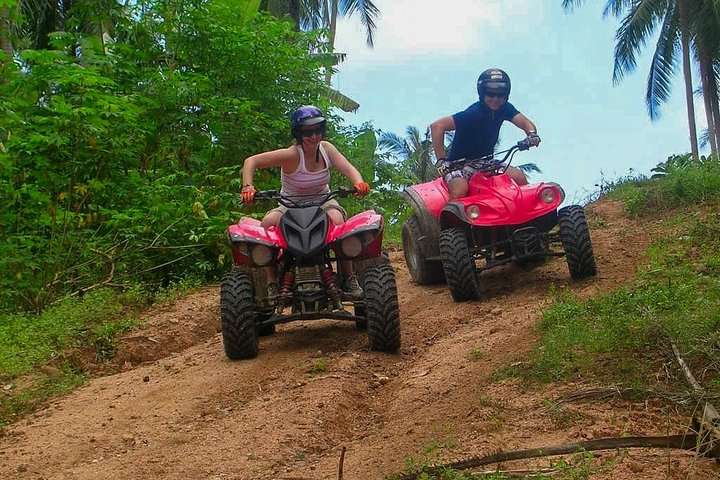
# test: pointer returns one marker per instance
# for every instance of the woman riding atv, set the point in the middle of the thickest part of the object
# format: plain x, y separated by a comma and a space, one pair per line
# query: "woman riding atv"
304, 178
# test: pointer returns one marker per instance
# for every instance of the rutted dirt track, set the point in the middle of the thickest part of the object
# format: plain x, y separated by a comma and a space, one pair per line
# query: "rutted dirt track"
179, 409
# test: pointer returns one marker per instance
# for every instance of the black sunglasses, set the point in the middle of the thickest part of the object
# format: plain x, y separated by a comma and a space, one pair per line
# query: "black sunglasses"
314, 131
494, 95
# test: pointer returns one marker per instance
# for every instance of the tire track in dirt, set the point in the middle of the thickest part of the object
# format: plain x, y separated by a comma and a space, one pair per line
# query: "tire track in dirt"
194, 414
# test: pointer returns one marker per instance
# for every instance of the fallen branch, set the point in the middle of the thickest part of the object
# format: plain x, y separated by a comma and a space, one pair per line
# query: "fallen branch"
686, 370
342, 462
107, 279
620, 392
683, 442
708, 423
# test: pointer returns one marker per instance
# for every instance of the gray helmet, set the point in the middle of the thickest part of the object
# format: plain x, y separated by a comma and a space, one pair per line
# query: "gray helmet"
493, 80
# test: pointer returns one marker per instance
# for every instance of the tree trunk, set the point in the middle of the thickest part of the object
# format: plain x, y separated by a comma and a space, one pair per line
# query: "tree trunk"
280, 8
331, 41
685, 41
705, 74
5, 43
294, 7
715, 107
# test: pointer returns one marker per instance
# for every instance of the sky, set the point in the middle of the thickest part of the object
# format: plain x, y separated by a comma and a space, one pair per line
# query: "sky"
428, 55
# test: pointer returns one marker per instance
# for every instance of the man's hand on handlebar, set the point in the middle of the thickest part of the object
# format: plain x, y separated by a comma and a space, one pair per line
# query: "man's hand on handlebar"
443, 167
532, 139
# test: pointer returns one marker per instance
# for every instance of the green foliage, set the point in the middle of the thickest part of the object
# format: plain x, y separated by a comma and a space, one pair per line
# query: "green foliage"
105, 337
679, 181
676, 298
27, 340
35, 347
318, 367
121, 164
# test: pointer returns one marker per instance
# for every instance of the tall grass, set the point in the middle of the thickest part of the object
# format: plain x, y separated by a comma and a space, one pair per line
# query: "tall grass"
678, 182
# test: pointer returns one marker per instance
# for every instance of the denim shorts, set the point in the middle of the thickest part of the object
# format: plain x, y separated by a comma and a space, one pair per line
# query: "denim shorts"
466, 172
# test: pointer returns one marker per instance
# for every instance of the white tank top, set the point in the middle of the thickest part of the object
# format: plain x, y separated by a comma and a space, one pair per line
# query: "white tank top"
308, 186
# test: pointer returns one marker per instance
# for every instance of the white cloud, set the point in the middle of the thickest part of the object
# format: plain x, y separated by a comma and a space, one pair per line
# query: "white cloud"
410, 28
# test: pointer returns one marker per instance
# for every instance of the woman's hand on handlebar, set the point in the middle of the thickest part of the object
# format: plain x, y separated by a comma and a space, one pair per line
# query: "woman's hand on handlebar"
362, 188
248, 194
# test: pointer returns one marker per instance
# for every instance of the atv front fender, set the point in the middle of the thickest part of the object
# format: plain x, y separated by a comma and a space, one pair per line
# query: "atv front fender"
429, 242
453, 215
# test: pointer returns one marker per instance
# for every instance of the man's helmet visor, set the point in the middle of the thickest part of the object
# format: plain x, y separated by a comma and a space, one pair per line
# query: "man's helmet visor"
498, 87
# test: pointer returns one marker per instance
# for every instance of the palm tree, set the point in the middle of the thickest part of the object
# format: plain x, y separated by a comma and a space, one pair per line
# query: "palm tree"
323, 15
642, 17
705, 24
413, 150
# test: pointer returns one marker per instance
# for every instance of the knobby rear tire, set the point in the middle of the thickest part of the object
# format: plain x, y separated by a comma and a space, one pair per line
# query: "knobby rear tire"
422, 271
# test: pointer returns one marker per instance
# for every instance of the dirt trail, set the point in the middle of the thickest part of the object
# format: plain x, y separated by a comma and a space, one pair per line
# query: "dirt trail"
180, 409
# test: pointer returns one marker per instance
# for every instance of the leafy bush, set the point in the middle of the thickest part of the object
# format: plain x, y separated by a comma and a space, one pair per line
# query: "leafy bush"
677, 298
122, 164
679, 181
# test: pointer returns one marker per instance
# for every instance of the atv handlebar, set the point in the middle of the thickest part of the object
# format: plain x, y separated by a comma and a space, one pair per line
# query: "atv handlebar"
298, 201
489, 163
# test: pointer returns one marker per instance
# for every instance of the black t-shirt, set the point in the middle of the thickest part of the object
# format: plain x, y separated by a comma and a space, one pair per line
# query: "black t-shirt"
477, 129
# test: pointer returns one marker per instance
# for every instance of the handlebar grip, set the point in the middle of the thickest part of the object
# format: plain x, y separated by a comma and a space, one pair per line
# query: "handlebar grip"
522, 145
346, 192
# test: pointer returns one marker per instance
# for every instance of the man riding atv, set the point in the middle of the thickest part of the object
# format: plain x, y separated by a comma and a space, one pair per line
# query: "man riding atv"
482, 213
477, 129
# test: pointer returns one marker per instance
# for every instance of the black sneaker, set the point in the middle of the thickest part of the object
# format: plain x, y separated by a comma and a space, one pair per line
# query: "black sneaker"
272, 291
352, 286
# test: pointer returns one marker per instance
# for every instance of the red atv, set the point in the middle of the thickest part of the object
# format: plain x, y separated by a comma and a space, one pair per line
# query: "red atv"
303, 248
498, 222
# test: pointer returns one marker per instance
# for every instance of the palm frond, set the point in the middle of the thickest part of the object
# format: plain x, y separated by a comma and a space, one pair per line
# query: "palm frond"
329, 59
394, 144
368, 13
312, 15
616, 7
635, 29
663, 66
569, 5
345, 103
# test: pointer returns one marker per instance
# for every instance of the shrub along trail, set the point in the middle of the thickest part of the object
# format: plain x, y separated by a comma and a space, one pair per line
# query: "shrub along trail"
177, 408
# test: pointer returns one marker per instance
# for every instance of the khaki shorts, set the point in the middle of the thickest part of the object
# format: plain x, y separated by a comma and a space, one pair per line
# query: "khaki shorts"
331, 204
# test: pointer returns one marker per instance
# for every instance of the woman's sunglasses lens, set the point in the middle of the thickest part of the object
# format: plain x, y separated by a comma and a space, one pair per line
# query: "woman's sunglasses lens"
310, 133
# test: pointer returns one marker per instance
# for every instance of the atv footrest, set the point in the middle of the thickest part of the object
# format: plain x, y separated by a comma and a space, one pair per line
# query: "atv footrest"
334, 315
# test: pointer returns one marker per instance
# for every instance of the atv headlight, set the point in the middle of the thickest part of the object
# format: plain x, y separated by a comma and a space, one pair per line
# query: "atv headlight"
547, 195
351, 246
557, 191
261, 255
473, 212
368, 236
